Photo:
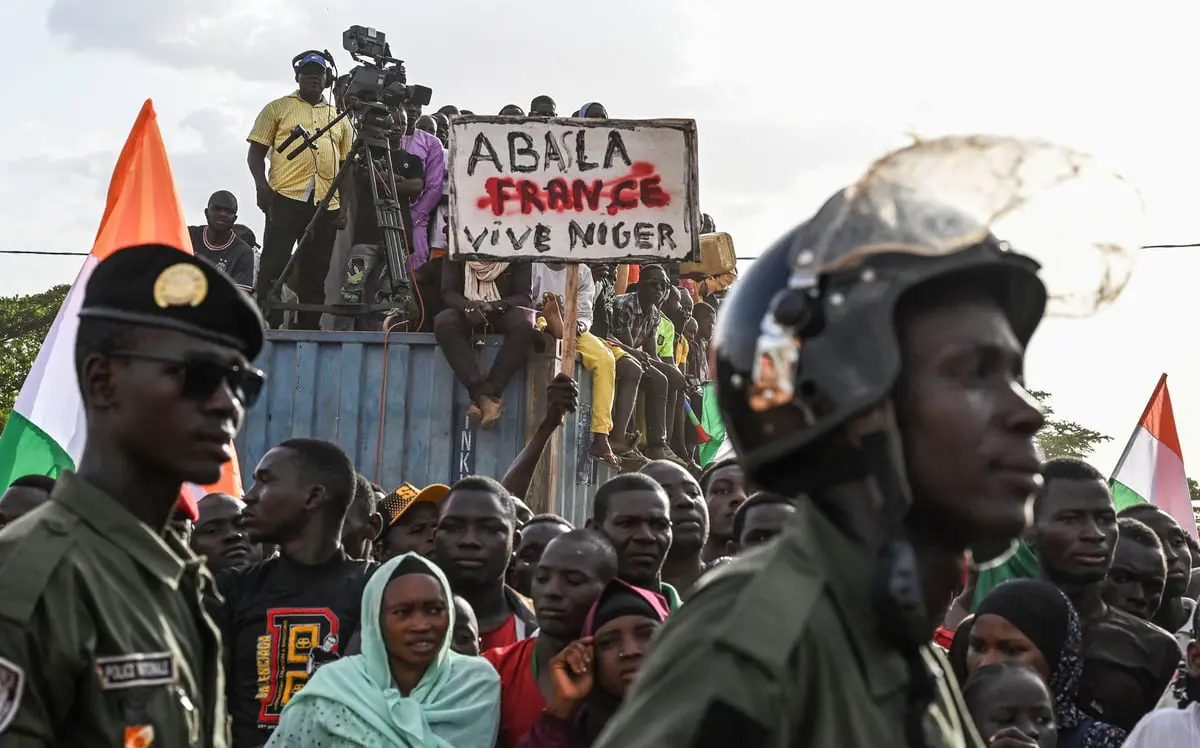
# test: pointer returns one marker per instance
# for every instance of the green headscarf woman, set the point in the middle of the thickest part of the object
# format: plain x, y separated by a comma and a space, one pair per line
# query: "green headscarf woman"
407, 688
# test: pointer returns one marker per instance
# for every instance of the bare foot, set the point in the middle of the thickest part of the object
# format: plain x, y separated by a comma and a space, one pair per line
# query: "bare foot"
474, 413
553, 315
490, 408
602, 451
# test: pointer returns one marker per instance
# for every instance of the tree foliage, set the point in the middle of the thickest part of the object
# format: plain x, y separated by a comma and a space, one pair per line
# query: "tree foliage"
24, 323
1059, 438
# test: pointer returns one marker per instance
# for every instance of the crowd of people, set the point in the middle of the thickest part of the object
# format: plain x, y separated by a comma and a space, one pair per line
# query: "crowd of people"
642, 333
863, 572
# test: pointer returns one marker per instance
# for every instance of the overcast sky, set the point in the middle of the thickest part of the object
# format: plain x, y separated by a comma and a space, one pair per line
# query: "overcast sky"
791, 103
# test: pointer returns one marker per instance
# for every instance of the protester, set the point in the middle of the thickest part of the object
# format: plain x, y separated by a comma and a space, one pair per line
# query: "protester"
219, 537
407, 687
23, 496
878, 542
689, 526
218, 243
1011, 707
363, 522
476, 532
592, 110
442, 130
1175, 611
93, 583
432, 153
302, 491
536, 535
569, 579
465, 636
413, 518
1127, 662
633, 329
634, 513
1138, 573
759, 520
543, 106
724, 487
592, 675
511, 110
496, 295
290, 194
1031, 622
427, 123
610, 374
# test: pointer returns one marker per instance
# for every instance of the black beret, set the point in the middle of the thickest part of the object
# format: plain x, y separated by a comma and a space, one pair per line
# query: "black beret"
159, 286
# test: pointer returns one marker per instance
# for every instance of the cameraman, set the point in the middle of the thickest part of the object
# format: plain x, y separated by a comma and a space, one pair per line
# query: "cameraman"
290, 194
367, 276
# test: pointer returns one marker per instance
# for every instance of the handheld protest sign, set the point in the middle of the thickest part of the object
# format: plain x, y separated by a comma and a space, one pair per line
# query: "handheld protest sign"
573, 190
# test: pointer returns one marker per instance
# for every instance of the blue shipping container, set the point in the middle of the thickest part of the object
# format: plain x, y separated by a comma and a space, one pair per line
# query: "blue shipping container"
396, 408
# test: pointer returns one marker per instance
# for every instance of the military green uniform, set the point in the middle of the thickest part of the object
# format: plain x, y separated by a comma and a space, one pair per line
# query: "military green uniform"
780, 649
104, 637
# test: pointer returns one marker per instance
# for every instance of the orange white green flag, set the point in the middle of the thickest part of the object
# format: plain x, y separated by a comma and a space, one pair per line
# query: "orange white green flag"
1151, 467
46, 432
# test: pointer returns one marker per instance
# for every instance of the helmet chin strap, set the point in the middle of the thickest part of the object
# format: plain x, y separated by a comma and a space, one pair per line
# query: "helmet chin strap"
897, 593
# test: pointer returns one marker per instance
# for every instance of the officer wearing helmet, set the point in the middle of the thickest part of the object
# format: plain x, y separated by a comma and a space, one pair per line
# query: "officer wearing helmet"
870, 363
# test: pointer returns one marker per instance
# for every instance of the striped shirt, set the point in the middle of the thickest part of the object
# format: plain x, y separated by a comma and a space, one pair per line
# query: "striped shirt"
308, 176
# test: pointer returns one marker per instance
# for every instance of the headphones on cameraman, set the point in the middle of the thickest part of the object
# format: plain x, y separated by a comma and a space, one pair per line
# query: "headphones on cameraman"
324, 54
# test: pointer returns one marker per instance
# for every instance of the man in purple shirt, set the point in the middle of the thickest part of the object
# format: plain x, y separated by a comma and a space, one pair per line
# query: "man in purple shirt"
429, 149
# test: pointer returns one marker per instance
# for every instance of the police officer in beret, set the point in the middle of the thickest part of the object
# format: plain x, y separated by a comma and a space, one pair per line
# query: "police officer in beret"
104, 639
869, 365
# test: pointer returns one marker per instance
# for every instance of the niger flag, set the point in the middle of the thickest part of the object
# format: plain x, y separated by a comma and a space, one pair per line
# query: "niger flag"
46, 432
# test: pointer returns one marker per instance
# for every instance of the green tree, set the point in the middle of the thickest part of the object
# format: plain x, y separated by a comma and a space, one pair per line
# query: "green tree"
1059, 438
24, 323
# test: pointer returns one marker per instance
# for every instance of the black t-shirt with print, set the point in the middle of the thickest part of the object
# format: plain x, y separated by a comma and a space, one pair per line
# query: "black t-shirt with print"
236, 261
280, 621
366, 226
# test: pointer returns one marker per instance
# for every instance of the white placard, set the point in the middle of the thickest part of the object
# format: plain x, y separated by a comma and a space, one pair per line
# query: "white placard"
573, 190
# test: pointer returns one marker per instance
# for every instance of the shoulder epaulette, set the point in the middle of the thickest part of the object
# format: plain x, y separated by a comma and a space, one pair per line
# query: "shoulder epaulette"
31, 560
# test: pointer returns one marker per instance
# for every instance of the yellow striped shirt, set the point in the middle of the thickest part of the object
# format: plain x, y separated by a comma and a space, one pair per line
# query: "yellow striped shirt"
308, 176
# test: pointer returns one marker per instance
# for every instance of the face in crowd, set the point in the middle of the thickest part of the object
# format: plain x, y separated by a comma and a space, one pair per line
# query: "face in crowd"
475, 536
570, 576
725, 491
412, 531
759, 521
219, 535
1138, 574
688, 513
415, 618
1075, 530
1011, 707
465, 639
636, 518
535, 537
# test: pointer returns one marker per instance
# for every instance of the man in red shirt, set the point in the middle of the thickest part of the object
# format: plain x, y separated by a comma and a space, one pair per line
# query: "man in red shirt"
476, 532
571, 574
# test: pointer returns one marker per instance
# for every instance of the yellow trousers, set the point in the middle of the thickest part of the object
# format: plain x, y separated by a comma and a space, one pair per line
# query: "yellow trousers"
600, 362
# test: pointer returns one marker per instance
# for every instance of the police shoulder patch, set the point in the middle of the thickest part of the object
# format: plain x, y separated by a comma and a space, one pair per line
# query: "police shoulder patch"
12, 687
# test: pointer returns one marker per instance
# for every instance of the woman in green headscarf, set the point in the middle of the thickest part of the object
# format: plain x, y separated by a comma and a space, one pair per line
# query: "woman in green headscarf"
407, 688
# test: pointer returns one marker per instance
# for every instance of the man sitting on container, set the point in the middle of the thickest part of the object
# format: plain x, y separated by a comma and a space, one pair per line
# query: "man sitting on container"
549, 285
491, 297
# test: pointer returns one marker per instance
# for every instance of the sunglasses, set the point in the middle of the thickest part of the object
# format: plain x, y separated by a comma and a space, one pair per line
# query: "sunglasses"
202, 376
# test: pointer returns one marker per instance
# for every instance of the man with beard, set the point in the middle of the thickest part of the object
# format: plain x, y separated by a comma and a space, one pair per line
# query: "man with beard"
286, 616
477, 528
103, 629
634, 513
1175, 612
689, 526
219, 537
1127, 662
570, 576
1138, 573
219, 243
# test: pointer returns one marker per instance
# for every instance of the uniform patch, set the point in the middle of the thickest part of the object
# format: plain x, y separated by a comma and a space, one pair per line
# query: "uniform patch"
134, 670
12, 686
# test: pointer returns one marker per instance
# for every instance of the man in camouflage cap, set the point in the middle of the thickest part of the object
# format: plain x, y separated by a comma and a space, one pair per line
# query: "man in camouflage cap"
104, 639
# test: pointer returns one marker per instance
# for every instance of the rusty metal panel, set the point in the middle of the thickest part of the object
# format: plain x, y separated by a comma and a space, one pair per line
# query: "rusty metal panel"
579, 474
400, 415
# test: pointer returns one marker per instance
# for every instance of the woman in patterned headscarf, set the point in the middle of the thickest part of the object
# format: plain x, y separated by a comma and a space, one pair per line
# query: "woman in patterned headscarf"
1030, 621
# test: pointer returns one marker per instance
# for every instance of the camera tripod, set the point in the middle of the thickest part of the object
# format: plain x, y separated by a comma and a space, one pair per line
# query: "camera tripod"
401, 305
